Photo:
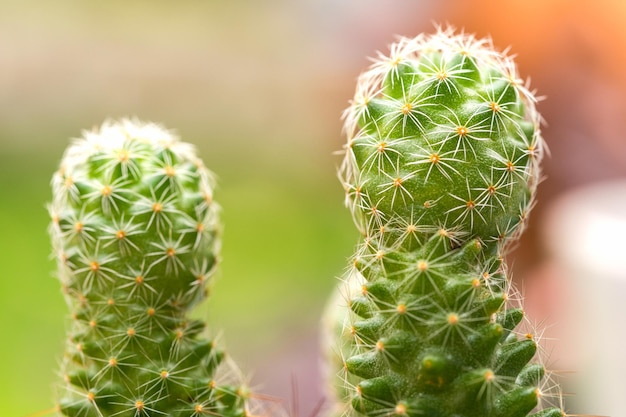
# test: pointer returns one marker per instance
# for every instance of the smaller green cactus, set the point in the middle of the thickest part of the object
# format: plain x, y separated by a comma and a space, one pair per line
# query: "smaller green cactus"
136, 234
441, 165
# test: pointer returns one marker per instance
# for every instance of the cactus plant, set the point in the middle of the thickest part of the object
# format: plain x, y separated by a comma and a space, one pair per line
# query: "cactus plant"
136, 234
441, 164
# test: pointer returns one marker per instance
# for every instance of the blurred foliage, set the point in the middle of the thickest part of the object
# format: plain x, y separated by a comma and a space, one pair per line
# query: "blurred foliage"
31, 306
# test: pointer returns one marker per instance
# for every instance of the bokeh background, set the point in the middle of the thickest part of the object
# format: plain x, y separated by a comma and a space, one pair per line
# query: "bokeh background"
259, 87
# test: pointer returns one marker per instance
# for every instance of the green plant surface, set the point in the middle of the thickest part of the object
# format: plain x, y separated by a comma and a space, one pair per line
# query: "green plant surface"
441, 165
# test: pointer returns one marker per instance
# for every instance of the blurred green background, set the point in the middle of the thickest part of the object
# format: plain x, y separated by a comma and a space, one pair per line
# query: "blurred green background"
259, 87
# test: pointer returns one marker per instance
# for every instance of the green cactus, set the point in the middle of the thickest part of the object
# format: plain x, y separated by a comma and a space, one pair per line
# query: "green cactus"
441, 165
136, 234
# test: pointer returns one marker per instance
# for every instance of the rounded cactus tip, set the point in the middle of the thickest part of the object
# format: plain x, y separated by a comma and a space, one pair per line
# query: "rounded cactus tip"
442, 134
133, 212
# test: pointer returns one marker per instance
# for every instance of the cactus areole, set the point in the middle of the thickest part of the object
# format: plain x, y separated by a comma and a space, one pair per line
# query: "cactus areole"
441, 164
136, 235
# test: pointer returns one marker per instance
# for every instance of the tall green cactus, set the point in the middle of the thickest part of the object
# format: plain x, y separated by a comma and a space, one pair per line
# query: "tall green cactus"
441, 164
136, 234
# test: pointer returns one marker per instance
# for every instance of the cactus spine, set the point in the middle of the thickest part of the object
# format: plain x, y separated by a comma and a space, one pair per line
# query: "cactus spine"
136, 234
441, 164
